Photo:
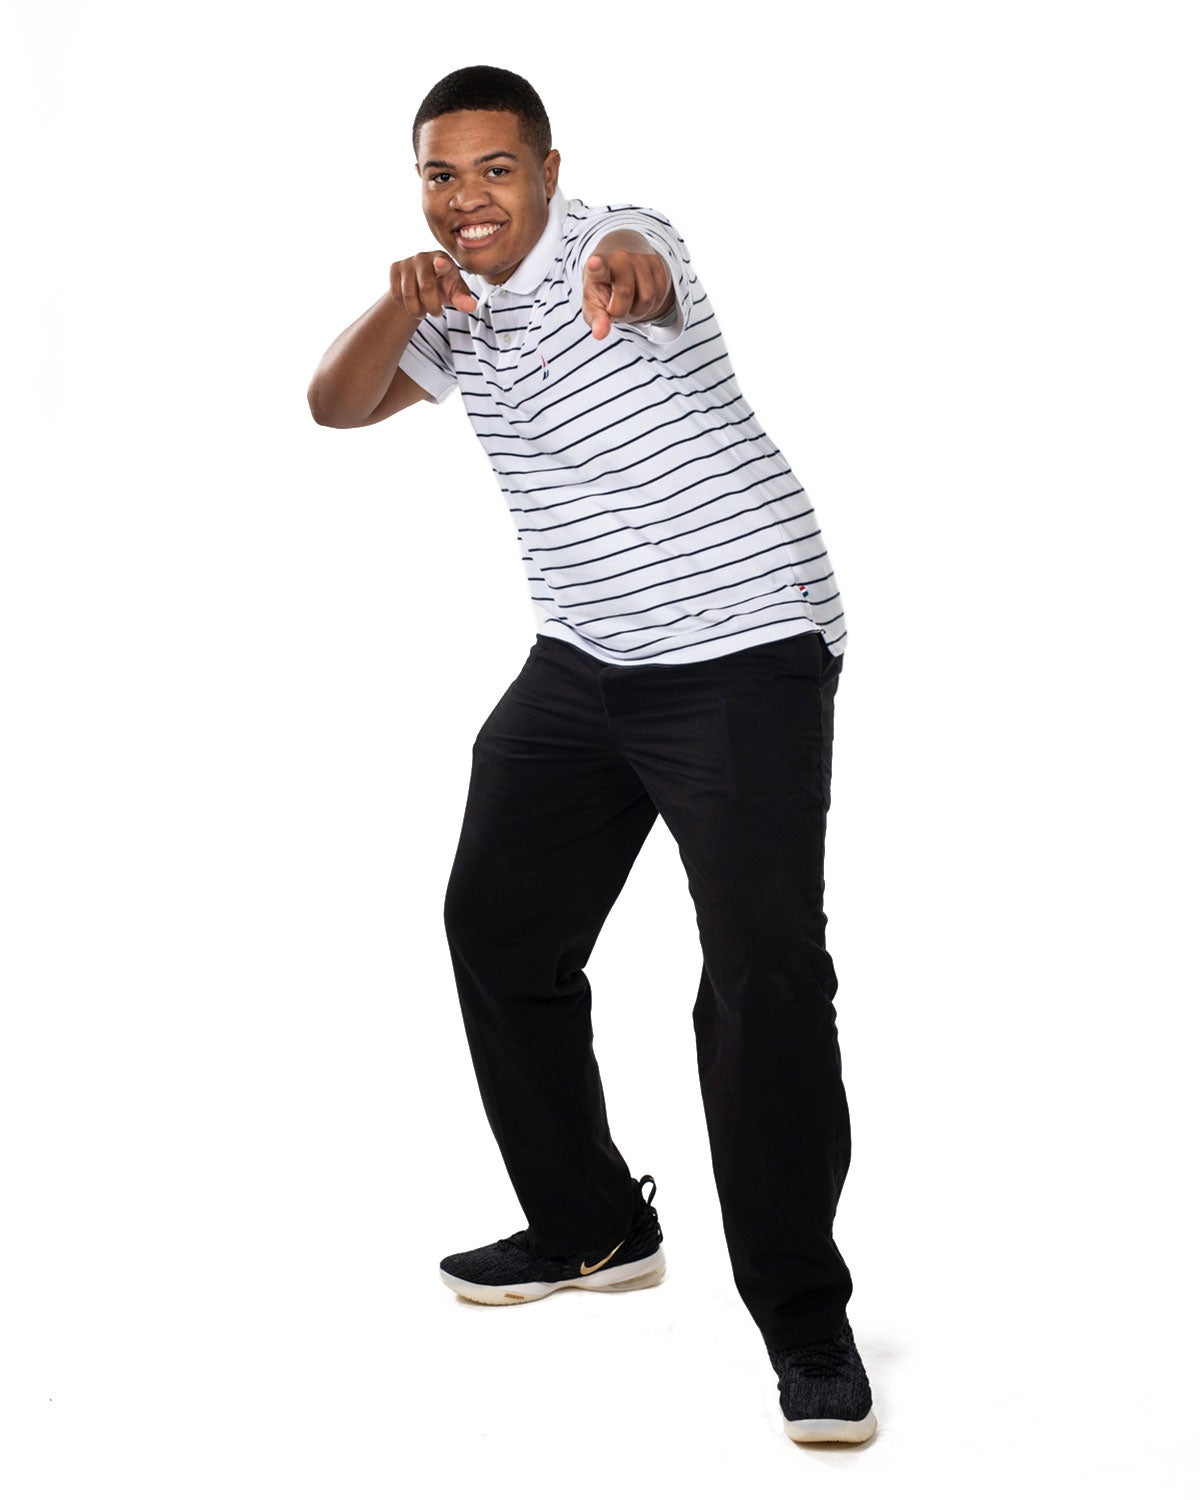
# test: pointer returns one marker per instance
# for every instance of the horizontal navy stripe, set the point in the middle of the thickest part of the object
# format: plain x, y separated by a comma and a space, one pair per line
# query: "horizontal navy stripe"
710, 593
665, 541
683, 489
475, 346
704, 436
663, 562
785, 594
536, 443
526, 532
627, 488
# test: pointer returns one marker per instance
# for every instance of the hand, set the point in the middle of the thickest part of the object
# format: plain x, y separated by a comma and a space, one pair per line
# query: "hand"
625, 286
429, 283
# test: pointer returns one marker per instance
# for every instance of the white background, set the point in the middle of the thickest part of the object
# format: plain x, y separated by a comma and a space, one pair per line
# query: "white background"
953, 253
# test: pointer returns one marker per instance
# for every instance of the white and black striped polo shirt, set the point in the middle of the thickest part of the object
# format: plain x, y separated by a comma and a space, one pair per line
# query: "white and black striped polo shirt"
657, 520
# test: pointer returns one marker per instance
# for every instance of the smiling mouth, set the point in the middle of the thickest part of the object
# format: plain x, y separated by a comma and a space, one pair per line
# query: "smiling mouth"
477, 234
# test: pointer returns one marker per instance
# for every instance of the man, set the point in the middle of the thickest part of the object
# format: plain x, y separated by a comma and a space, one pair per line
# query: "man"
688, 650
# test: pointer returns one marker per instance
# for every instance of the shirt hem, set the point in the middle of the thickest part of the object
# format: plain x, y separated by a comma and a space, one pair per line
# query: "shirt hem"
699, 651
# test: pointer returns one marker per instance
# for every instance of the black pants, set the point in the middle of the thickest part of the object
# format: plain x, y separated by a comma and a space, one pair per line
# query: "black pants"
569, 772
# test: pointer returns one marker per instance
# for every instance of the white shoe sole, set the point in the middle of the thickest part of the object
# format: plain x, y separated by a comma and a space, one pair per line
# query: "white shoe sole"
829, 1430
626, 1278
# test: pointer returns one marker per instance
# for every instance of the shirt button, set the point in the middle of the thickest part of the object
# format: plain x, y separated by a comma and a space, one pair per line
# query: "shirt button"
506, 340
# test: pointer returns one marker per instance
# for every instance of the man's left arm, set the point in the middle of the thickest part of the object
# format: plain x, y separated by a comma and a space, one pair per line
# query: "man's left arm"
625, 280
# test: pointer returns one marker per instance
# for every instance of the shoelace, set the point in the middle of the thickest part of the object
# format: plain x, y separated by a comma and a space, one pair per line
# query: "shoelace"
650, 1200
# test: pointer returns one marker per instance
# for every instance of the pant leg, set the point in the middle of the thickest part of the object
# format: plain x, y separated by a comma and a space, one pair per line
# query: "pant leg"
554, 820
755, 730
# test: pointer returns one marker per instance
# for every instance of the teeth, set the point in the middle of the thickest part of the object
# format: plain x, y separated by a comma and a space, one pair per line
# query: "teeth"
478, 231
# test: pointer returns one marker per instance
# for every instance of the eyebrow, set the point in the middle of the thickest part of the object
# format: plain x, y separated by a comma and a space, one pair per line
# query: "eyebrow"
478, 162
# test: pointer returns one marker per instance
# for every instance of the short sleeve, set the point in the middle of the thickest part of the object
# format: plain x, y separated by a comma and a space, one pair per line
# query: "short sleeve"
427, 359
663, 236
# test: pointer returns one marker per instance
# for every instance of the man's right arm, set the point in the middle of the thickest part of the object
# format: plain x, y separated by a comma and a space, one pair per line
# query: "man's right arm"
359, 381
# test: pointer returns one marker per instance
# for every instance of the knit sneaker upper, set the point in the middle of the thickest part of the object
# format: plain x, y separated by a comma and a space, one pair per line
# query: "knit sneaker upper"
823, 1379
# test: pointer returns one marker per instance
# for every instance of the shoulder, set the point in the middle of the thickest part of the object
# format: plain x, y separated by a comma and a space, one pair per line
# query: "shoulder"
582, 218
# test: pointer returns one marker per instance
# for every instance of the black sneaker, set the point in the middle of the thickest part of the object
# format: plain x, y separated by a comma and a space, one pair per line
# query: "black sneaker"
824, 1391
509, 1272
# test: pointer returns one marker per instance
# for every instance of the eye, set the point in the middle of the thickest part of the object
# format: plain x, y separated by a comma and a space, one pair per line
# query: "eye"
438, 177
504, 171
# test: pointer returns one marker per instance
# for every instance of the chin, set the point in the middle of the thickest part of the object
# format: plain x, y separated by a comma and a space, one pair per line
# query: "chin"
501, 271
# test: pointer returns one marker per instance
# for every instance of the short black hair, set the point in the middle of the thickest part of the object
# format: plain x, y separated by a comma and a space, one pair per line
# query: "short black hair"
482, 87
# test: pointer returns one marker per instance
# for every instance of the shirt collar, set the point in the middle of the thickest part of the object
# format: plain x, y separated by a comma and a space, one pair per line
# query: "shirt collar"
531, 272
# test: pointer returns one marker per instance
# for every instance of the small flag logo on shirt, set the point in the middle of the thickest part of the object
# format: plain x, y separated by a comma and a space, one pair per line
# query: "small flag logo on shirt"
545, 366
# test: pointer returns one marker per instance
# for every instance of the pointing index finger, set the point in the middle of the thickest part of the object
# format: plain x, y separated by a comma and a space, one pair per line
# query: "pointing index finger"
460, 293
596, 278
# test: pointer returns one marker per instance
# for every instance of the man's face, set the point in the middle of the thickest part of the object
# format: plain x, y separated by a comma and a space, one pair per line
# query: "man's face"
483, 190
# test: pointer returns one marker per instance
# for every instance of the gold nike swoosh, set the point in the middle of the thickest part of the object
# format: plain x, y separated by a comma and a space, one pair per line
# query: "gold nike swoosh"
587, 1270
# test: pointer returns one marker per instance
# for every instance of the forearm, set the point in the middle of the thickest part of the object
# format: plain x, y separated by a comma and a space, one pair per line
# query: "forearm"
356, 370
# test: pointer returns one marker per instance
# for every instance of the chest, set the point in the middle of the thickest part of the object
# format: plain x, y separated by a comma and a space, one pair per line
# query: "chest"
505, 343
532, 372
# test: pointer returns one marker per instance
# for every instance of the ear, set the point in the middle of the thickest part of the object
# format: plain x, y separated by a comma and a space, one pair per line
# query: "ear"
550, 173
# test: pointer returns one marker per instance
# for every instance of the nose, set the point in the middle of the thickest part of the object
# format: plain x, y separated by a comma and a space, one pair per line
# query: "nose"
470, 194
